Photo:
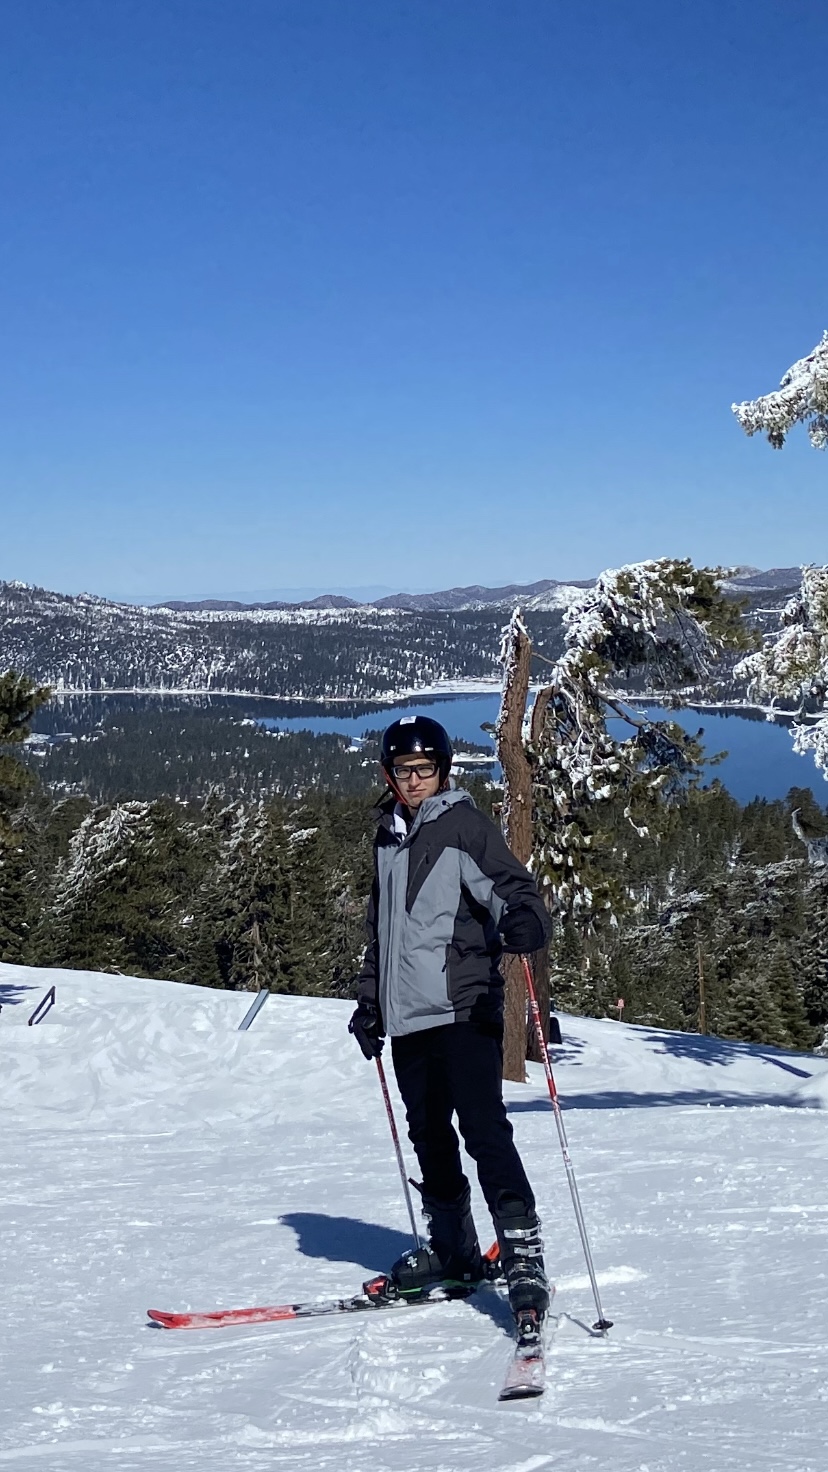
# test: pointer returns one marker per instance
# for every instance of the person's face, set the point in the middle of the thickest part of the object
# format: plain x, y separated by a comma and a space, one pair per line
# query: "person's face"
416, 777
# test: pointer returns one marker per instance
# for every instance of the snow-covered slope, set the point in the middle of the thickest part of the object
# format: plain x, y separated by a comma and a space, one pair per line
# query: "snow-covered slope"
152, 1155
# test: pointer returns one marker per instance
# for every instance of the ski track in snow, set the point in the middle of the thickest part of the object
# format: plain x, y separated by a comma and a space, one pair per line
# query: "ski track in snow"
153, 1156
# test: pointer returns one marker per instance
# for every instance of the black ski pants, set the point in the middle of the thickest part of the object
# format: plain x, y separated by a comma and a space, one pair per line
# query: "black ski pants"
458, 1069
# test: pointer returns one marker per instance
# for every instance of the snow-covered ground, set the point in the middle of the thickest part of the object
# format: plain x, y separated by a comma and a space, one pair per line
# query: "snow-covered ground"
152, 1155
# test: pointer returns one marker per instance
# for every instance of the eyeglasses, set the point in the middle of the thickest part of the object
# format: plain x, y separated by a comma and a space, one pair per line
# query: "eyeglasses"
423, 770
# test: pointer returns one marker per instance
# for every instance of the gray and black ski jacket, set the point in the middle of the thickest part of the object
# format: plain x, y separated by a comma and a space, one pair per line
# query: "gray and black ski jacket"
442, 892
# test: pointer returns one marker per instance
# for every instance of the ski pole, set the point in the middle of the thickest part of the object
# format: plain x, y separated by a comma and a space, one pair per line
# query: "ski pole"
397, 1146
602, 1324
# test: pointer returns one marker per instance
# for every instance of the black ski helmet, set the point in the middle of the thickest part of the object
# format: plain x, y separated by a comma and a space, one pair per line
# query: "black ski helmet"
412, 735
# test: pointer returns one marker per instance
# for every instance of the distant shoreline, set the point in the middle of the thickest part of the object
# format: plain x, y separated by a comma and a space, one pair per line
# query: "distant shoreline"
448, 689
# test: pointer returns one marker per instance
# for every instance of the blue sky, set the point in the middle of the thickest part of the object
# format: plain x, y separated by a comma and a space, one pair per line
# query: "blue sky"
335, 293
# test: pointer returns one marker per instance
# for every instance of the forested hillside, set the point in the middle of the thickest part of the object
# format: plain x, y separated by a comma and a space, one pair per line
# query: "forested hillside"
186, 753
248, 892
724, 927
87, 643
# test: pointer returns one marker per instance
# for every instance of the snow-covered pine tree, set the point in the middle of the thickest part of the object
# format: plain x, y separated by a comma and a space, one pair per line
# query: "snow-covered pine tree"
793, 665
97, 850
120, 899
267, 913
802, 398
813, 950
577, 983
241, 909
661, 625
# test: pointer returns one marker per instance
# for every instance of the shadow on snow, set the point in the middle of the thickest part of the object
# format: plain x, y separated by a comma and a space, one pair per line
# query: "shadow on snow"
349, 1240
11, 994
696, 1048
626, 1099
702, 1048
346, 1239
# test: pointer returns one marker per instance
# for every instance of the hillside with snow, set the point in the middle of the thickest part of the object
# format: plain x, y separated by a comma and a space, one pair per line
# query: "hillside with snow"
154, 1156
330, 649
89, 643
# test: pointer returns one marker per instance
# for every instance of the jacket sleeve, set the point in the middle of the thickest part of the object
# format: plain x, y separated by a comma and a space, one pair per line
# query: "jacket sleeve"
496, 879
367, 981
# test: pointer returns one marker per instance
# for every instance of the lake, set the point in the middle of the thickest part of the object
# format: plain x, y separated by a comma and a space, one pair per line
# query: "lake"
760, 759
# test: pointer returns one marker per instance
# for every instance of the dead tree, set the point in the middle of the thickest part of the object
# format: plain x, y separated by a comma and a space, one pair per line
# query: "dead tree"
516, 819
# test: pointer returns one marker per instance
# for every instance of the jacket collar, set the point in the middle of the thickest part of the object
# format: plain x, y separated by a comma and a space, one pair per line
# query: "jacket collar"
394, 823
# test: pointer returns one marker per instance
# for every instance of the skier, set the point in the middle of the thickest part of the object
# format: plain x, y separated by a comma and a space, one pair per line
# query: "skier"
448, 898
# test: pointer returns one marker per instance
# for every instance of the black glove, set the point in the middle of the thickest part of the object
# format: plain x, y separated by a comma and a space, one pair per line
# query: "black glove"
522, 932
365, 1026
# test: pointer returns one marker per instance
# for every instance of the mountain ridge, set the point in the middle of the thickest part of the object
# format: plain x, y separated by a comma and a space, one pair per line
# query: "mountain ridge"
545, 593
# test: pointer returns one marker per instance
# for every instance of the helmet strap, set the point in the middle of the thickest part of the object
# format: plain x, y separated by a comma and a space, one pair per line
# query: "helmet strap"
396, 791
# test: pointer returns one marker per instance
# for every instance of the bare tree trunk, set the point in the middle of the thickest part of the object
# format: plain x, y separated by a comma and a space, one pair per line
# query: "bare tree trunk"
514, 1020
516, 816
540, 960
516, 819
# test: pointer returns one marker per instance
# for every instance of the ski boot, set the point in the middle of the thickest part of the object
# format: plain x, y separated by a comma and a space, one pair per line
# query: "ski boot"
521, 1260
451, 1261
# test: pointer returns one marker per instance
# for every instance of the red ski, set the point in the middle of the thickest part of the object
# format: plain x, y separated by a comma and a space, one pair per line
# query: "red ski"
378, 1293
526, 1375
228, 1317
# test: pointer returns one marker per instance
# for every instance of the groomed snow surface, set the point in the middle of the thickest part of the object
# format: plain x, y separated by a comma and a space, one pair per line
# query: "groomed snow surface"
153, 1156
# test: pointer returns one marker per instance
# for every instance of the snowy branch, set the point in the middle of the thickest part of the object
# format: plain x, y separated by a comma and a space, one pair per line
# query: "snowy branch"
793, 665
802, 398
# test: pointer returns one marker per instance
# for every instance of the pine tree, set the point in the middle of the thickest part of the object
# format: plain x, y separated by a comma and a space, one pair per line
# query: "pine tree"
789, 999
765, 840
121, 899
578, 981
81, 924
664, 623
164, 868
753, 1013
307, 949
814, 948
15, 894
793, 666
19, 699
350, 826
242, 906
